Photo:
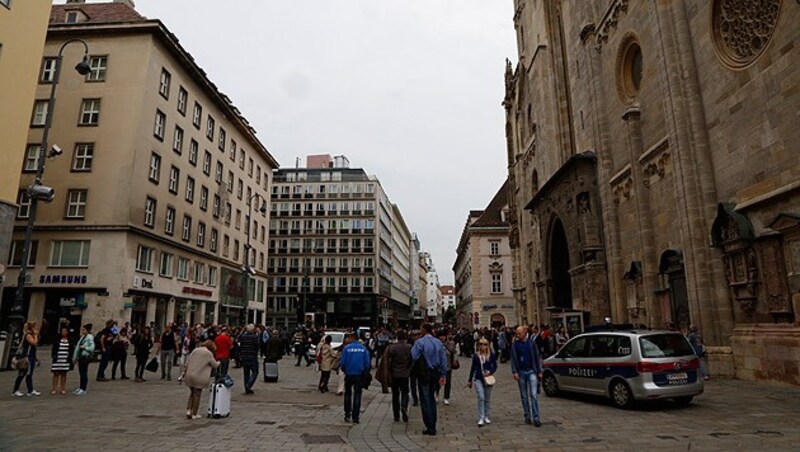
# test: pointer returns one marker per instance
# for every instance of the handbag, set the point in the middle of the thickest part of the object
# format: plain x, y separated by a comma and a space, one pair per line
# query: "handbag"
20, 361
489, 380
455, 364
152, 366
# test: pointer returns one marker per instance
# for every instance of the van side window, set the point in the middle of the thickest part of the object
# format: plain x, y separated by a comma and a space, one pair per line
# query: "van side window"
609, 346
575, 348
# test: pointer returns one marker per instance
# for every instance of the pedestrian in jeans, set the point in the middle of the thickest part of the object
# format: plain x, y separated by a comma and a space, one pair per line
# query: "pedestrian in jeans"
327, 361
355, 360
27, 350
84, 351
248, 356
450, 351
142, 344
106, 337
430, 365
399, 355
484, 365
697, 345
526, 365
167, 352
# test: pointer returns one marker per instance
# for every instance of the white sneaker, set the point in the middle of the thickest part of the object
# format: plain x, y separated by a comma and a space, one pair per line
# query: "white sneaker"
446, 402
80, 392
34, 393
487, 420
17, 394
76, 391
480, 423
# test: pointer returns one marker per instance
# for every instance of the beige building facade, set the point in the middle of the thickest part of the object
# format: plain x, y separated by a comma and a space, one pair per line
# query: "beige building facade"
23, 26
483, 268
653, 171
155, 186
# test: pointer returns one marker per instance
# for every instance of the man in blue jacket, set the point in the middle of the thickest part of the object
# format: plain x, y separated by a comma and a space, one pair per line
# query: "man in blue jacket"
354, 361
430, 364
526, 365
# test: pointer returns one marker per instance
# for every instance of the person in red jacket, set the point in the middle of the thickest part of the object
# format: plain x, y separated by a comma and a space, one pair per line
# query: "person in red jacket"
224, 344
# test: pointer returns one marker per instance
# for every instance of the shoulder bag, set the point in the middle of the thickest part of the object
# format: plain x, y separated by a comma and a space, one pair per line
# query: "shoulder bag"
489, 380
20, 361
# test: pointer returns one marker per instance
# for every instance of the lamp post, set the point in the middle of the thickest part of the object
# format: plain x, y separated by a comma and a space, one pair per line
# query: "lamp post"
37, 191
247, 269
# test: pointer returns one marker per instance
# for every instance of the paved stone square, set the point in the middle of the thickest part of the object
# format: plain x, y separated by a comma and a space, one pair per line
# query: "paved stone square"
292, 415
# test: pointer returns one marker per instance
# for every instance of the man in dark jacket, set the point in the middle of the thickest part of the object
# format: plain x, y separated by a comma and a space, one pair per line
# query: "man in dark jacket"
399, 356
248, 356
274, 349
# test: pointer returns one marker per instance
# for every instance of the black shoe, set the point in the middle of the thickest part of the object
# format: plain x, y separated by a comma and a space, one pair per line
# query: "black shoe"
528, 421
429, 432
397, 418
124, 378
113, 378
297, 365
308, 364
347, 418
415, 403
355, 421
537, 423
405, 417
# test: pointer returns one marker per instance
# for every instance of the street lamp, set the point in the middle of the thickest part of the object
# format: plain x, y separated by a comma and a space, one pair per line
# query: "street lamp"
38, 192
247, 269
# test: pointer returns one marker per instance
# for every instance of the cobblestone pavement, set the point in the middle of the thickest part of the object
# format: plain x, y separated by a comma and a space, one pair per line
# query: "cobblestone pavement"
292, 415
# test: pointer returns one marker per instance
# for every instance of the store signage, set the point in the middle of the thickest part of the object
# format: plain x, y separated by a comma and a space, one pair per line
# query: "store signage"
196, 291
487, 307
62, 279
507, 306
78, 301
147, 283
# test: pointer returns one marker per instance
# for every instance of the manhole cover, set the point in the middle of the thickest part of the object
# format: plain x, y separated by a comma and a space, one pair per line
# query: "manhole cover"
322, 439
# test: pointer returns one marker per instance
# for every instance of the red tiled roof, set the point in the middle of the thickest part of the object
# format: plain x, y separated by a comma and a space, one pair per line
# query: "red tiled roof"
96, 12
491, 216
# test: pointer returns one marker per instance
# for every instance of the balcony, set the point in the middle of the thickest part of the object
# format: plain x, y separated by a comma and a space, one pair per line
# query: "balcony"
330, 269
294, 270
343, 231
294, 231
342, 269
317, 269
355, 290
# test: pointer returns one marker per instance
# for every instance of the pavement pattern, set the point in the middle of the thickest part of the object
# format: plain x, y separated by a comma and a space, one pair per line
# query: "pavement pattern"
292, 415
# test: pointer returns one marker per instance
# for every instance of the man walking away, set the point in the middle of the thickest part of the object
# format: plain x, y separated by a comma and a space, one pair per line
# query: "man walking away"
527, 369
103, 344
430, 365
355, 360
248, 355
412, 379
399, 356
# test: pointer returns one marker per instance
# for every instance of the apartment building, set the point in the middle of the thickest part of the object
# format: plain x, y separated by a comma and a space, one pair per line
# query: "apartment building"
338, 248
483, 267
433, 288
161, 183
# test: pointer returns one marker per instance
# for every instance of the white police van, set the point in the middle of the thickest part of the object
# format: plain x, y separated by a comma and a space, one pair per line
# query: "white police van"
625, 366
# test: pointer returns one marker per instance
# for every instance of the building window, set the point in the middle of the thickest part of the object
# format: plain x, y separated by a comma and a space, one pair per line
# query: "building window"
15, 253
169, 221
494, 248
207, 163
199, 272
163, 84
194, 149
144, 259
239, 189
210, 125
160, 124
228, 209
230, 181
174, 179
32, 157
258, 174
76, 204
183, 269
186, 233
497, 286
218, 174
204, 198
189, 189
226, 244
197, 115
222, 139
24, 202
212, 276
212, 244
201, 234
177, 140
98, 65
183, 96
215, 206
241, 158
250, 167
233, 150
39, 116
629, 70
150, 212
83, 156
165, 266
48, 70
155, 168
90, 112
236, 250
69, 253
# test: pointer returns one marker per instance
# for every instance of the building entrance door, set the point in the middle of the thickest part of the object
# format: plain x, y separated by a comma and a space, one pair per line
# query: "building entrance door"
672, 266
561, 285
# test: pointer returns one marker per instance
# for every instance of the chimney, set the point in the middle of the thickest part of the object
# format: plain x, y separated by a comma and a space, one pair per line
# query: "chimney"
130, 3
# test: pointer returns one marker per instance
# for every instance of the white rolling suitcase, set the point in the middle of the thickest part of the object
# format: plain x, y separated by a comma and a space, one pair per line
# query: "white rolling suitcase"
219, 401
270, 372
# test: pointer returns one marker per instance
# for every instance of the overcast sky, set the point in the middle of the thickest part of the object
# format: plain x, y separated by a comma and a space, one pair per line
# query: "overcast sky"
409, 90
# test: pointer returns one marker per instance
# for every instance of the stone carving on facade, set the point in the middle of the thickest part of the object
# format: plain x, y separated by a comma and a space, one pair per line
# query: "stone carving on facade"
622, 185
742, 29
610, 21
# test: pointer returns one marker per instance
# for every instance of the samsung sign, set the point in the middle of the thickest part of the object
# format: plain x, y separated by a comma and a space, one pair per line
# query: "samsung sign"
62, 279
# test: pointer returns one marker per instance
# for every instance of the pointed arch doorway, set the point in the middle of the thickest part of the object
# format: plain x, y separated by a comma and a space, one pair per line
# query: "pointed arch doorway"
561, 287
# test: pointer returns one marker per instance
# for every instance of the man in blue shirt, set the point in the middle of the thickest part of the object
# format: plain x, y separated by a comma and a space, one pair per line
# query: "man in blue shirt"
526, 365
354, 361
431, 368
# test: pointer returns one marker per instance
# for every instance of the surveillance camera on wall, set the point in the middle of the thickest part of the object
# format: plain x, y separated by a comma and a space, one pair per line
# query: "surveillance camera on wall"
55, 151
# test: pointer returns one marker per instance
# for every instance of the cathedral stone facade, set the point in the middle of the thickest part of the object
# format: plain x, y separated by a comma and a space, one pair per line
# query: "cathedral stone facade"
654, 171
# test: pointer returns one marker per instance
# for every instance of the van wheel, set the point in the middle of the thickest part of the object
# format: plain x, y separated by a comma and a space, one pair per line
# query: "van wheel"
683, 401
621, 394
550, 385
